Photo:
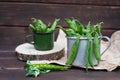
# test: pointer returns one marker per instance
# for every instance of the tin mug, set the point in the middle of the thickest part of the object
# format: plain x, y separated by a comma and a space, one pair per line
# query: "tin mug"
80, 57
41, 41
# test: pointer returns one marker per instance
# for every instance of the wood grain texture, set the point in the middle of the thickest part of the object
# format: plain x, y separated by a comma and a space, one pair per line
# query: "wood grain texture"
16, 35
73, 74
20, 14
82, 2
15, 15
27, 51
11, 67
15, 69
12, 35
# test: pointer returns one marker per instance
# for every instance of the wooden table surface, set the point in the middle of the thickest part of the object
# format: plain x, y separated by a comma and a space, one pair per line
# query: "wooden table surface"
12, 69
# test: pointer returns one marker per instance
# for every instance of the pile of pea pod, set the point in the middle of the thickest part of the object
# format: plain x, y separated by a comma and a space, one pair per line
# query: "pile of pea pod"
39, 26
76, 29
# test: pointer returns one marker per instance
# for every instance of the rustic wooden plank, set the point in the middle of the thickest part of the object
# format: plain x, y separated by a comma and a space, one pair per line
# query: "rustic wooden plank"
11, 63
12, 35
11, 67
88, 2
108, 32
7, 54
71, 74
13, 75
15, 36
6, 48
21, 13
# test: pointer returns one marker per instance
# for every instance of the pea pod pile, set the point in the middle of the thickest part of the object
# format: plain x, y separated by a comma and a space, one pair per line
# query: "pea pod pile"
39, 26
91, 32
42, 68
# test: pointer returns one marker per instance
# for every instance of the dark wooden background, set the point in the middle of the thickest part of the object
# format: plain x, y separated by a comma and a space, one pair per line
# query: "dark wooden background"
15, 15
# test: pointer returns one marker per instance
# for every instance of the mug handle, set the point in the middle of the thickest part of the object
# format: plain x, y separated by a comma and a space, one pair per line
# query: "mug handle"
109, 43
26, 39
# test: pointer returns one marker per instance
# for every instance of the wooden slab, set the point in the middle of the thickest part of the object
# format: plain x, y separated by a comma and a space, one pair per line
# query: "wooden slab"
27, 51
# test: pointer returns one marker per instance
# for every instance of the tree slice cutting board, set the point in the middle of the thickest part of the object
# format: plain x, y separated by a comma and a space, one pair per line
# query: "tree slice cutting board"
27, 51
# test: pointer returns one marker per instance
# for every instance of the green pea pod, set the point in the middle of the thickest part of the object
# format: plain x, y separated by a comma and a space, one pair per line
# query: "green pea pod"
98, 28
96, 48
79, 29
44, 66
49, 67
90, 58
71, 23
42, 25
89, 27
85, 31
32, 27
87, 55
53, 26
68, 32
37, 69
75, 25
73, 52
36, 25
79, 24
64, 30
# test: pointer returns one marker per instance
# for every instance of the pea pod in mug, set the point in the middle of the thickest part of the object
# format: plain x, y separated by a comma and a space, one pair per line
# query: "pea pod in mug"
88, 35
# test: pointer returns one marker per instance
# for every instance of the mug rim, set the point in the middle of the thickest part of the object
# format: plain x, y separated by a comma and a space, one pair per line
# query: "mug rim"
43, 32
83, 38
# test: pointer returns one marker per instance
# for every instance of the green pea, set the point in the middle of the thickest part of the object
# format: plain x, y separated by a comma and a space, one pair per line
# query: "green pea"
71, 23
96, 48
97, 28
42, 26
37, 69
53, 26
73, 52
90, 58
87, 55
45, 67
32, 27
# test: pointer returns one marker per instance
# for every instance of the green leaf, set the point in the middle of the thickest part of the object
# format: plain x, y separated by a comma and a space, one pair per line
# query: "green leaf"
33, 72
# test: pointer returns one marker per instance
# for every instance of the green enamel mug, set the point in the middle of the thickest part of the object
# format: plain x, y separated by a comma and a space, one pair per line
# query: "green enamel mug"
41, 41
